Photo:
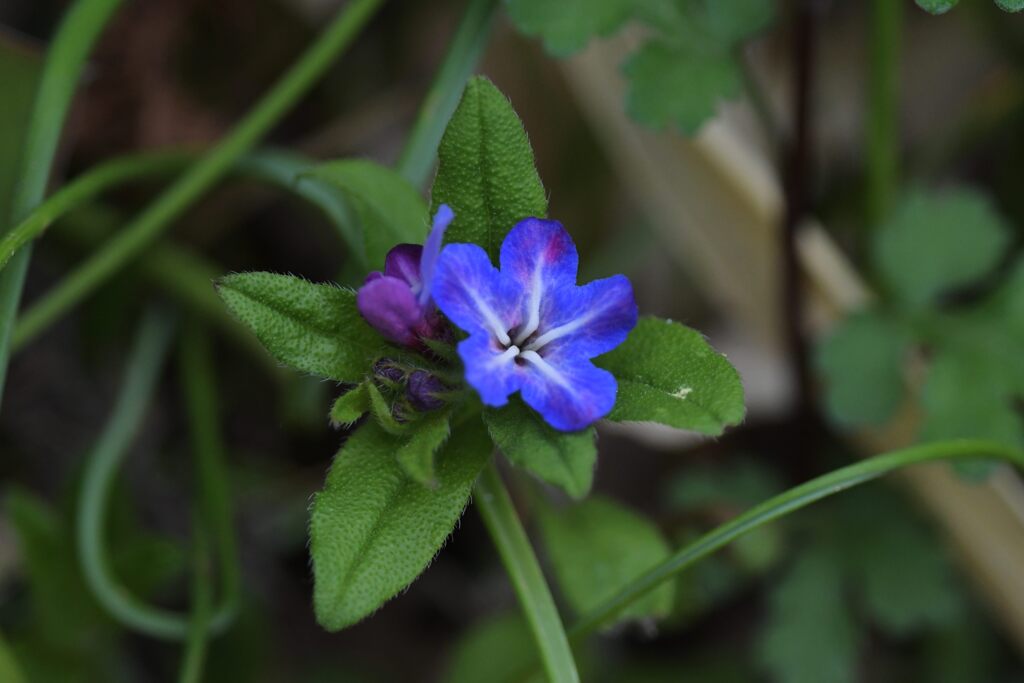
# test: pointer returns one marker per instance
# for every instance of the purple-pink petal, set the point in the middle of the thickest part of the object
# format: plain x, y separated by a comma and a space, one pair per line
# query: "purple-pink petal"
390, 307
403, 263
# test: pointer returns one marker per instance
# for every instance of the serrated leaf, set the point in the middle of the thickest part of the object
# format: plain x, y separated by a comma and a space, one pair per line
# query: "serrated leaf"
567, 26
671, 85
862, 363
427, 435
810, 635
680, 77
485, 169
374, 530
389, 209
598, 547
668, 373
937, 6
563, 459
706, 24
937, 241
315, 328
351, 405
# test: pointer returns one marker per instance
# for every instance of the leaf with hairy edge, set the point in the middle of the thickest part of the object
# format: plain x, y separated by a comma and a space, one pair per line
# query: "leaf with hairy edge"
351, 405
485, 169
383, 411
563, 459
390, 210
668, 373
568, 25
416, 455
374, 530
315, 328
597, 548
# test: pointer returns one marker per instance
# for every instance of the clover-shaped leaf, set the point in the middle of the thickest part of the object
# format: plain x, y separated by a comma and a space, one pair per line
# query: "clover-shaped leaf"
568, 25
935, 242
862, 362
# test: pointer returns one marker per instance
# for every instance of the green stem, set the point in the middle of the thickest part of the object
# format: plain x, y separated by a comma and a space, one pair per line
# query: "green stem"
203, 408
495, 506
101, 467
443, 97
171, 203
199, 626
784, 503
87, 187
883, 109
61, 74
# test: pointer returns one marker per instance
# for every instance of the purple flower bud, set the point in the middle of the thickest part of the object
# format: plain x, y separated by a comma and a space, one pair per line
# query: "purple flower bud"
424, 390
385, 369
397, 303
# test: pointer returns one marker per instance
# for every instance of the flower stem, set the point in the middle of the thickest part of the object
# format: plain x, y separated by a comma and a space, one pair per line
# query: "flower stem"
495, 506
61, 74
883, 108
784, 503
137, 236
443, 97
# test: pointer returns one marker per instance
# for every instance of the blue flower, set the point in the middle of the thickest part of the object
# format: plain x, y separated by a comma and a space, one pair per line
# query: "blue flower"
397, 302
531, 328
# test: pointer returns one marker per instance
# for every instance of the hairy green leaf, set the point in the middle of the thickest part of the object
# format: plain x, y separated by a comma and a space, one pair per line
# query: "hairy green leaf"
568, 25
668, 373
810, 636
486, 172
351, 405
1010, 5
389, 209
315, 328
563, 459
383, 411
374, 530
427, 436
934, 242
937, 6
862, 362
597, 547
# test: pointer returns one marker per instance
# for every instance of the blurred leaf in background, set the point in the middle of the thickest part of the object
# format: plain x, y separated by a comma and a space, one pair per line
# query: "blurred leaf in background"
689, 63
947, 300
